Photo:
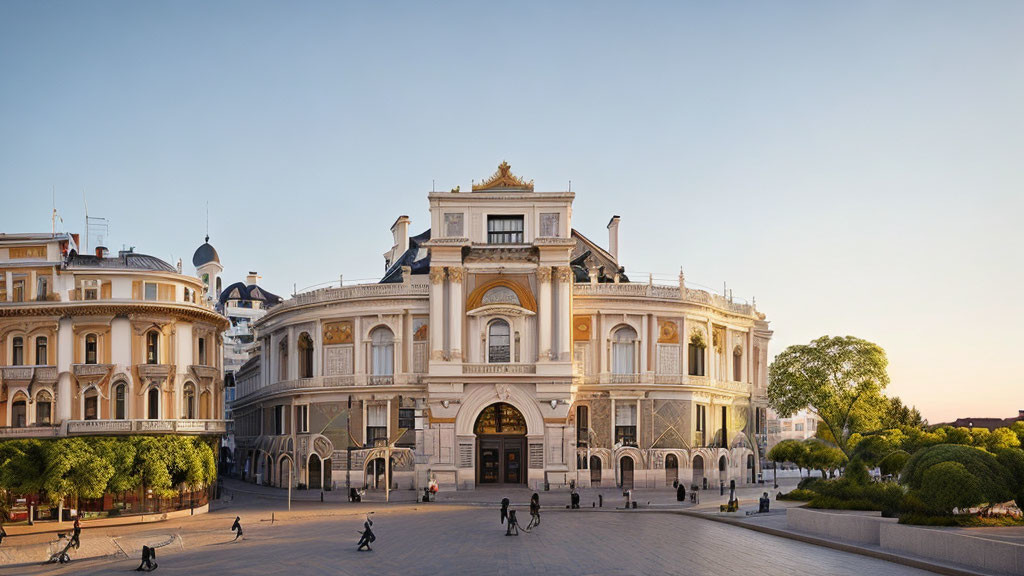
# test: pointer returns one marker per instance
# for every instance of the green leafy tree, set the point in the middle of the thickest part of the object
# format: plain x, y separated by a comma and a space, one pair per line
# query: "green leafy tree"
857, 472
120, 454
840, 379
824, 457
1001, 438
871, 449
72, 469
960, 435
152, 465
949, 485
899, 415
1018, 429
793, 451
893, 462
23, 466
995, 480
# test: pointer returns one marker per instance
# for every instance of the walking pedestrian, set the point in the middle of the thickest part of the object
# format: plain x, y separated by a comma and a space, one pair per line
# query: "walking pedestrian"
534, 511
504, 509
237, 527
77, 534
367, 536
148, 559
513, 524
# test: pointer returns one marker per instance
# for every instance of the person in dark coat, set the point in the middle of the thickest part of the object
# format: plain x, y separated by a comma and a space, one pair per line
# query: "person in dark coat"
353, 495
681, 493
237, 527
513, 524
764, 504
574, 499
504, 509
77, 534
148, 559
534, 511
367, 535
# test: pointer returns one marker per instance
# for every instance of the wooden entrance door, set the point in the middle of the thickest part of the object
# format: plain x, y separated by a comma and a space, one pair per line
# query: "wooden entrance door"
500, 460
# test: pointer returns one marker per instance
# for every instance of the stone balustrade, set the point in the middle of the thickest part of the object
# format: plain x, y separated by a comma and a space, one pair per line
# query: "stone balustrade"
340, 381
29, 431
46, 374
654, 379
499, 369
184, 426
353, 293
661, 292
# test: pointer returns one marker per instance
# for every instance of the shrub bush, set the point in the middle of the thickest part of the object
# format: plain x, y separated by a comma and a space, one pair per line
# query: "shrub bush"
1013, 460
857, 472
948, 485
995, 480
798, 495
808, 483
844, 494
893, 462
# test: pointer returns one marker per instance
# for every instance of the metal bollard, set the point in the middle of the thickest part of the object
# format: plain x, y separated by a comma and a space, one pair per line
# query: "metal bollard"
600, 500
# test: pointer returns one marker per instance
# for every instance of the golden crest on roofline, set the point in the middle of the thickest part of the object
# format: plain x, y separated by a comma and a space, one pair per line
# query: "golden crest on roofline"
504, 179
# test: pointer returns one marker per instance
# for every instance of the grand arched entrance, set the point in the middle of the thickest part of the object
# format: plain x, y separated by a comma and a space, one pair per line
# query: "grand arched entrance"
501, 445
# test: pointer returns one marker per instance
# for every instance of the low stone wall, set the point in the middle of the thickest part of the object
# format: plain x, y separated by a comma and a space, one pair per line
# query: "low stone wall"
955, 547
859, 527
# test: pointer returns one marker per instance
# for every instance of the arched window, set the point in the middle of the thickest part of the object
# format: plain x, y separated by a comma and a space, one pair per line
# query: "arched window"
382, 345
18, 413
18, 351
44, 408
282, 360
671, 468
499, 342
91, 405
305, 356
623, 351
119, 400
41, 357
153, 401
152, 347
189, 409
90, 348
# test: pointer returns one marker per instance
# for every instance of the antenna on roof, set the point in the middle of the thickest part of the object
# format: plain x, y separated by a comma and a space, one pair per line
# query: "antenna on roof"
570, 185
207, 220
432, 185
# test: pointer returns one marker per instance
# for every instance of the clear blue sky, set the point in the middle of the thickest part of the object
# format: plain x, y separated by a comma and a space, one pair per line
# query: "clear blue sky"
855, 166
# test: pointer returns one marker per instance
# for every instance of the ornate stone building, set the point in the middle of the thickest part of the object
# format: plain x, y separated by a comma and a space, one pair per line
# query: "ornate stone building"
503, 346
98, 345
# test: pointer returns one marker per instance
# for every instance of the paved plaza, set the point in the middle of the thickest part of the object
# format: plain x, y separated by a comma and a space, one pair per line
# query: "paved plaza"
454, 539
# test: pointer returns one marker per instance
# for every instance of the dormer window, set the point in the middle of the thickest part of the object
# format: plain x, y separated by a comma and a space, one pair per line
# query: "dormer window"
504, 229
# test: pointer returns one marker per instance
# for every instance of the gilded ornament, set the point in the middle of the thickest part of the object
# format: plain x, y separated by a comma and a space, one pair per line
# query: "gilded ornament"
455, 273
436, 275
581, 328
564, 274
544, 274
668, 332
338, 333
504, 179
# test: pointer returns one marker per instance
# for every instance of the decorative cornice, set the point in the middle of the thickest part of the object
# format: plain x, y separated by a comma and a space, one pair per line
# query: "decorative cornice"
504, 179
74, 309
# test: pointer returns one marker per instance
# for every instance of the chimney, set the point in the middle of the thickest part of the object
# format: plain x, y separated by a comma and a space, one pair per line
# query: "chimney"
613, 238
1020, 414
400, 230
101, 251
253, 279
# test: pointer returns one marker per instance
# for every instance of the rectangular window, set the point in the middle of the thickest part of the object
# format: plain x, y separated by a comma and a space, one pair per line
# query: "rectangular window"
279, 420
407, 418
42, 283
19, 290
582, 425
504, 229
376, 424
151, 292
737, 367
625, 424
41, 356
302, 418
799, 427
202, 351
702, 424
696, 360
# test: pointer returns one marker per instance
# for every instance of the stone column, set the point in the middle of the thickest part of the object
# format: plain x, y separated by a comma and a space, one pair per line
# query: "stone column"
613, 421
564, 313
544, 322
436, 313
455, 310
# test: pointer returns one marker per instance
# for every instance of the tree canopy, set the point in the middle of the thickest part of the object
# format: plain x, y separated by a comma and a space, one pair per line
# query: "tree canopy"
839, 378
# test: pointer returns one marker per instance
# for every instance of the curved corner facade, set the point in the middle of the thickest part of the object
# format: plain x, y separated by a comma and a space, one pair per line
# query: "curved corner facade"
504, 347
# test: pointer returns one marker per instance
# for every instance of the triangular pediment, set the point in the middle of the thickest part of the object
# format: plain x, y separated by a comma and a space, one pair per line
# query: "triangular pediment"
504, 180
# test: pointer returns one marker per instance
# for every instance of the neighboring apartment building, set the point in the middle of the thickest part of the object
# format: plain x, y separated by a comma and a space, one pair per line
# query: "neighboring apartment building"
504, 347
800, 426
98, 344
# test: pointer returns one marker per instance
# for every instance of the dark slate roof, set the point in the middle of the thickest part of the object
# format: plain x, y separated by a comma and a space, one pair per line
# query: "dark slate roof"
408, 258
240, 291
586, 254
123, 261
989, 423
205, 254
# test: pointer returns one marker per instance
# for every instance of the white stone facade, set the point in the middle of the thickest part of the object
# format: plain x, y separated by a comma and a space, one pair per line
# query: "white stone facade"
504, 347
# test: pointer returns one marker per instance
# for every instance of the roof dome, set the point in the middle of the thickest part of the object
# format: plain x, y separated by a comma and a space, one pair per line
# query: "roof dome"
205, 254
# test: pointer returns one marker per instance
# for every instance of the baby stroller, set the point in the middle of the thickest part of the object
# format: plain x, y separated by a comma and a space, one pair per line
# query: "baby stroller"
62, 554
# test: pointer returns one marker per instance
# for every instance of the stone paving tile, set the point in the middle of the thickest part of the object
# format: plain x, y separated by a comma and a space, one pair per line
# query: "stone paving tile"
471, 541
